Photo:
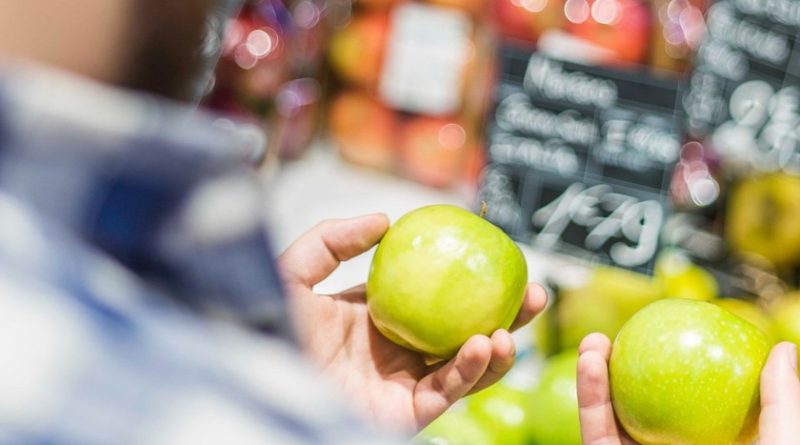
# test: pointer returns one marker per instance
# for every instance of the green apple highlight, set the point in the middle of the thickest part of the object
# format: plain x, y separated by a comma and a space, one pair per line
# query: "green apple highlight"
441, 275
687, 372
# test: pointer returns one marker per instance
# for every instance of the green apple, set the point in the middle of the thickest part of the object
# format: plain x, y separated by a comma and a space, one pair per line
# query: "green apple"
686, 372
501, 409
455, 427
553, 404
786, 318
441, 275
682, 279
629, 291
750, 312
545, 332
603, 304
762, 218
583, 311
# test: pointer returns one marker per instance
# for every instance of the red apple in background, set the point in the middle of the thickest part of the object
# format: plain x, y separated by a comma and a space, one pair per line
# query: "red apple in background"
527, 19
356, 50
434, 150
621, 26
363, 128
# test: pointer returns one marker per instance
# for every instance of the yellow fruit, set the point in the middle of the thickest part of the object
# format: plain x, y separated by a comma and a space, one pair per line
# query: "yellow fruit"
764, 218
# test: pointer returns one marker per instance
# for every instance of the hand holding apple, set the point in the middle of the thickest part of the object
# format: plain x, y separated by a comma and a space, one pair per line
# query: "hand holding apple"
779, 386
686, 372
392, 386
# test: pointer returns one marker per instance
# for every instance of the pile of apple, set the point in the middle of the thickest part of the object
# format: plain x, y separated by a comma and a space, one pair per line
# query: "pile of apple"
437, 149
610, 296
685, 364
515, 411
683, 371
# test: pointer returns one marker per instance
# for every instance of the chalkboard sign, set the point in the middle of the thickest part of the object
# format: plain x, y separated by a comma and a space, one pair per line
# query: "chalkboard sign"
744, 95
580, 157
742, 100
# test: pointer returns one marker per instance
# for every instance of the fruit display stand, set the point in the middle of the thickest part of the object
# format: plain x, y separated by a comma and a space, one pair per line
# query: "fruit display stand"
608, 159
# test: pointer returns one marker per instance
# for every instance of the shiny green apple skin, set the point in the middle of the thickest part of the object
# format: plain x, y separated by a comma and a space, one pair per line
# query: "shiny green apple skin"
686, 372
749, 311
441, 275
553, 403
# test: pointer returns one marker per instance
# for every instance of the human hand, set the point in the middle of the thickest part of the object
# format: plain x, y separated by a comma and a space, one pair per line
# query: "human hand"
599, 426
779, 423
391, 385
780, 396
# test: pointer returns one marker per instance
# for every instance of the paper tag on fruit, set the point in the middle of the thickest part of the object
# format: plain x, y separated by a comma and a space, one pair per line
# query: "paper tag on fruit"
426, 56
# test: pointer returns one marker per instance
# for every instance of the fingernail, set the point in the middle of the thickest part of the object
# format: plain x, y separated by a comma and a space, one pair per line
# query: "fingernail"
792, 351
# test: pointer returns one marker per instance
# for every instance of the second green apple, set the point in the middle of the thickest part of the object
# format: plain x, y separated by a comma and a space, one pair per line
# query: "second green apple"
686, 372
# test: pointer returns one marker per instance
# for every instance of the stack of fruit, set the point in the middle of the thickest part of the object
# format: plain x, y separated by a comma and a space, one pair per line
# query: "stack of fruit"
545, 413
412, 83
678, 348
659, 367
611, 296
660, 34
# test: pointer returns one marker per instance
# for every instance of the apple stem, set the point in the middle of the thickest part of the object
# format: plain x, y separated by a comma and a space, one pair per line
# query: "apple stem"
484, 209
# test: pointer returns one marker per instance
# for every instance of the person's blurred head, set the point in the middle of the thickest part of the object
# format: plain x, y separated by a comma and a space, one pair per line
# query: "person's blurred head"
149, 45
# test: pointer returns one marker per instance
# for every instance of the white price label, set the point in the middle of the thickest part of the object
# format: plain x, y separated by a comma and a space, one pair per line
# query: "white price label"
425, 61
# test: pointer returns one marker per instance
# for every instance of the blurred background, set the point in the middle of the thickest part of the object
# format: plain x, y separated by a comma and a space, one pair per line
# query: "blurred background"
636, 150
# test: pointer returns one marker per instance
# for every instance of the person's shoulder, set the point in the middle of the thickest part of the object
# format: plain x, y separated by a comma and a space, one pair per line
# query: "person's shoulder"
88, 352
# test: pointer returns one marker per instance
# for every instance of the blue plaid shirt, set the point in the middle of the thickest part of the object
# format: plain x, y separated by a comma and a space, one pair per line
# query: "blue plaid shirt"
131, 237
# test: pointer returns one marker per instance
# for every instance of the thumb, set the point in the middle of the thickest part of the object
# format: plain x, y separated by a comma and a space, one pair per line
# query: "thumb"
317, 253
780, 397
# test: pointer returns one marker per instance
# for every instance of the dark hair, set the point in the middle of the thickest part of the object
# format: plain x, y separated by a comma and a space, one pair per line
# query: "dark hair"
167, 37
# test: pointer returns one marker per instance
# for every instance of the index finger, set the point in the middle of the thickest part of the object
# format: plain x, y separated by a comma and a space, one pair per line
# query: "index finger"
318, 252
